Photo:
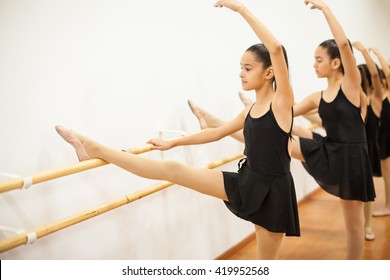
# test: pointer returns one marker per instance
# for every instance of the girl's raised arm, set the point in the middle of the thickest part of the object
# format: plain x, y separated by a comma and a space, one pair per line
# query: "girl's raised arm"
383, 63
284, 90
375, 78
351, 79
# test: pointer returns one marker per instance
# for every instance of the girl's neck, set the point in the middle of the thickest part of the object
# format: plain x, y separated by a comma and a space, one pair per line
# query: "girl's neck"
264, 95
334, 81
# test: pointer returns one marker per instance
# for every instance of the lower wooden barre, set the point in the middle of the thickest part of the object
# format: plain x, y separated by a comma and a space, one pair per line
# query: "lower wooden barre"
40, 232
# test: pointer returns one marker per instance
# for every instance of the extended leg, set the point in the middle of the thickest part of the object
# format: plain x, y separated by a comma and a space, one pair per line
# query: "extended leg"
245, 99
296, 149
208, 120
206, 181
314, 119
302, 132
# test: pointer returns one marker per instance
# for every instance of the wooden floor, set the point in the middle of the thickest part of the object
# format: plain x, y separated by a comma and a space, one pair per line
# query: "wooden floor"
323, 234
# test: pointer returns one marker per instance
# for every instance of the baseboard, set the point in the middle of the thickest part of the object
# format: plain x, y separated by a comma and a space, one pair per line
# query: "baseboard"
231, 251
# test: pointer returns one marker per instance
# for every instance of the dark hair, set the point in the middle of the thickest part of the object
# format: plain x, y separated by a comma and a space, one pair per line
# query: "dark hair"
365, 77
334, 51
262, 55
382, 74
383, 78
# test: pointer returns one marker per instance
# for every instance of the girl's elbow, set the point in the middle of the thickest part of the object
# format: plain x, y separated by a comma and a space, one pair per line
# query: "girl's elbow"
276, 49
344, 44
375, 75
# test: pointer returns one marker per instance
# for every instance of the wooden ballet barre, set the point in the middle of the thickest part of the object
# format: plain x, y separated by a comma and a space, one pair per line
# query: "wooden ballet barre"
40, 232
19, 183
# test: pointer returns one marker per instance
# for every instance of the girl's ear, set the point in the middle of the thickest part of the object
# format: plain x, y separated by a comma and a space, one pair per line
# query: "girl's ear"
269, 73
336, 63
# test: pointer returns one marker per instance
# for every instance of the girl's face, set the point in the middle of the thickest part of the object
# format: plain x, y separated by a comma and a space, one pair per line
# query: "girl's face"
252, 73
323, 65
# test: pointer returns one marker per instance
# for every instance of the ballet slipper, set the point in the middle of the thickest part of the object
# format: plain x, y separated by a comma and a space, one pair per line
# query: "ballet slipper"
70, 137
197, 112
381, 213
245, 99
369, 234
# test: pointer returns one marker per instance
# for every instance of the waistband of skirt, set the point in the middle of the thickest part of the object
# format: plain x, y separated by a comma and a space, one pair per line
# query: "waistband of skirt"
352, 142
243, 163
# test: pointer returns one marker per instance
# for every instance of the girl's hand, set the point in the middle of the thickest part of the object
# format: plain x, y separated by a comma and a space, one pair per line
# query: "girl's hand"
359, 46
159, 144
374, 50
316, 4
231, 4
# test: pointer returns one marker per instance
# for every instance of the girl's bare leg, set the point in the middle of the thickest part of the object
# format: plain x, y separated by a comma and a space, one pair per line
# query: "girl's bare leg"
314, 119
296, 149
268, 243
208, 120
353, 218
368, 232
205, 181
302, 132
298, 132
385, 164
199, 113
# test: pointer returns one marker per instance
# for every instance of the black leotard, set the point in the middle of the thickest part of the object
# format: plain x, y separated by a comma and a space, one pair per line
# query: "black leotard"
263, 190
340, 162
372, 132
384, 130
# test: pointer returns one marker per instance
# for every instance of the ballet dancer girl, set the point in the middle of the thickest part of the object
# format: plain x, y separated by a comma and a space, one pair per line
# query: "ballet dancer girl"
339, 162
372, 87
384, 133
262, 191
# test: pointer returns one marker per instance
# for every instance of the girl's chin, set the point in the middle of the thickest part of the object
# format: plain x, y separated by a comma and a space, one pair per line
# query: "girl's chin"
245, 87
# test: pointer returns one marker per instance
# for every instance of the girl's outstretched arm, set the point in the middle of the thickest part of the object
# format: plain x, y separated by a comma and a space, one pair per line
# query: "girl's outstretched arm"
307, 105
204, 136
284, 91
351, 80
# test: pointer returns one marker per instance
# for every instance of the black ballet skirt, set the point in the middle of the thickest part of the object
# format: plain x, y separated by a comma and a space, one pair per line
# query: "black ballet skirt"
372, 132
262, 191
384, 130
340, 162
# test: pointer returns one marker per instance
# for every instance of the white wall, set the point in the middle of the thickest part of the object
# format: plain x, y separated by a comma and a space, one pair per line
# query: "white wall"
118, 71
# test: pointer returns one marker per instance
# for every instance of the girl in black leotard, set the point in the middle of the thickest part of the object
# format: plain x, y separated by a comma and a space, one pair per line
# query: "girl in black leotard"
339, 162
263, 190
384, 134
372, 87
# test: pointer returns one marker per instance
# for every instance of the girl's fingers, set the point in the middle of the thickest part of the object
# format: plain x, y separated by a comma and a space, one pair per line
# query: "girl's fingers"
218, 4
